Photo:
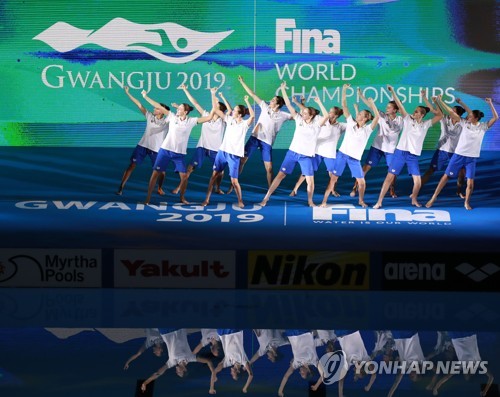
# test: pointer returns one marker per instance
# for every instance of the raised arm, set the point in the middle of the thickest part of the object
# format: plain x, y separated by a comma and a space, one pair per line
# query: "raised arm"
362, 97
284, 380
395, 385
152, 102
345, 109
438, 114
191, 99
134, 356
228, 106
324, 112
401, 108
300, 103
284, 94
135, 100
250, 111
250, 377
449, 110
466, 108
153, 377
249, 90
373, 107
423, 94
204, 119
493, 111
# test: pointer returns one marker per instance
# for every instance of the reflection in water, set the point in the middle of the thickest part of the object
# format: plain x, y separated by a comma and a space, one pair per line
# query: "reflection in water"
381, 362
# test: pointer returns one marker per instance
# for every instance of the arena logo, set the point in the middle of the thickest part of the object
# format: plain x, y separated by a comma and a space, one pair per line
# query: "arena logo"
349, 214
123, 35
415, 271
324, 42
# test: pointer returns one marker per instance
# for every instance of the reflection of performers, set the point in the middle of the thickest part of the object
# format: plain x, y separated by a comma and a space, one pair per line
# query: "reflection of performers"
179, 356
156, 129
325, 337
269, 342
234, 357
210, 337
153, 340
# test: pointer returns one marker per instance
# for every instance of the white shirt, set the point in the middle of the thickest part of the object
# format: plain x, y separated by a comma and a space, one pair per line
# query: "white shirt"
353, 347
304, 350
269, 338
234, 138
324, 336
234, 352
328, 137
450, 134
178, 135
383, 338
466, 348
153, 337
355, 139
409, 349
211, 133
269, 123
413, 135
305, 136
389, 130
207, 335
471, 139
178, 348
155, 132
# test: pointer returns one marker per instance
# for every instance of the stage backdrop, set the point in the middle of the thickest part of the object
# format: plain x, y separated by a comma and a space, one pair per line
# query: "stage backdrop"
64, 62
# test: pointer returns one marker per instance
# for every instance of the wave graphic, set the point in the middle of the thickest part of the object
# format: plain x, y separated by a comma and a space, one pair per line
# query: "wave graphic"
122, 35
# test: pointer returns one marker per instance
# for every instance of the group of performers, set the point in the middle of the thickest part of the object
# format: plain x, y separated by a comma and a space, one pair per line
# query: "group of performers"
399, 138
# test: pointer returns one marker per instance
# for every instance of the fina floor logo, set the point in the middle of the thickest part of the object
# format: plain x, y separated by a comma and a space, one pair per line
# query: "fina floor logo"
123, 35
476, 274
334, 367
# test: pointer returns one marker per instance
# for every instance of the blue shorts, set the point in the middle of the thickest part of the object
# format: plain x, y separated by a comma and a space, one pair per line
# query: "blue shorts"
140, 153
457, 162
266, 149
374, 156
200, 154
329, 162
402, 157
440, 160
354, 165
232, 161
165, 157
292, 158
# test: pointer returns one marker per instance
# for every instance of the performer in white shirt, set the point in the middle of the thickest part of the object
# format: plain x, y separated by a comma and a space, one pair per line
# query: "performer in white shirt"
269, 342
467, 151
410, 145
153, 340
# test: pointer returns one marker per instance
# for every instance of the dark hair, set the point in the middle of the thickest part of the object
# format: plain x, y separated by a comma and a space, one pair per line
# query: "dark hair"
395, 105
165, 106
338, 111
243, 110
187, 107
459, 110
280, 101
313, 111
370, 115
222, 107
478, 114
425, 108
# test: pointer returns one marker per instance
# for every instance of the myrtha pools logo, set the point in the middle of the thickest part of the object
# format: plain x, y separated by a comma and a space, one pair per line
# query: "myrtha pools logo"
122, 35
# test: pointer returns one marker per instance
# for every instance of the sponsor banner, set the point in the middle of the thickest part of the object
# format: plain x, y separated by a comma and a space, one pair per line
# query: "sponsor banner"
308, 270
174, 269
50, 268
440, 271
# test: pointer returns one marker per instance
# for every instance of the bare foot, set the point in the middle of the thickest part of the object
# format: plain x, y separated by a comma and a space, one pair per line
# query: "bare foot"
230, 190
363, 204
240, 204
205, 203
323, 204
393, 193
161, 192
353, 193
263, 203
176, 190
377, 206
311, 204
184, 201
293, 193
467, 206
146, 203
218, 191
434, 392
119, 192
430, 203
416, 203
461, 195
337, 194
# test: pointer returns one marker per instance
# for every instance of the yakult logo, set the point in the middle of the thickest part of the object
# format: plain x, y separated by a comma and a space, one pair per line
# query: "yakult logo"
122, 35
323, 42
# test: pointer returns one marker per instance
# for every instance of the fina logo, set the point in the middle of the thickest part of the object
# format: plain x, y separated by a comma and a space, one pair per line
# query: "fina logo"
117, 35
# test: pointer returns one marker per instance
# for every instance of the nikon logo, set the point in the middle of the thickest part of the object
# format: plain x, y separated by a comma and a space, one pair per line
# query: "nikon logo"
308, 270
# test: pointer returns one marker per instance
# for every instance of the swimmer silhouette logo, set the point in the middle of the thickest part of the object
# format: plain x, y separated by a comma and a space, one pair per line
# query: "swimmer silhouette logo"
334, 366
123, 35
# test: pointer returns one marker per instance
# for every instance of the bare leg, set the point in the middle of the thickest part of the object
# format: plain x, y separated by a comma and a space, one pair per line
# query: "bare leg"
366, 168
211, 183
190, 169
442, 182
442, 381
237, 190
488, 384
417, 184
276, 182
310, 190
125, 177
218, 181
389, 179
161, 179
183, 185
468, 193
243, 161
329, 188
392, 189
152, 183
460, 183
427, 175
361, 189
334, 192
269, 172
301, 179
